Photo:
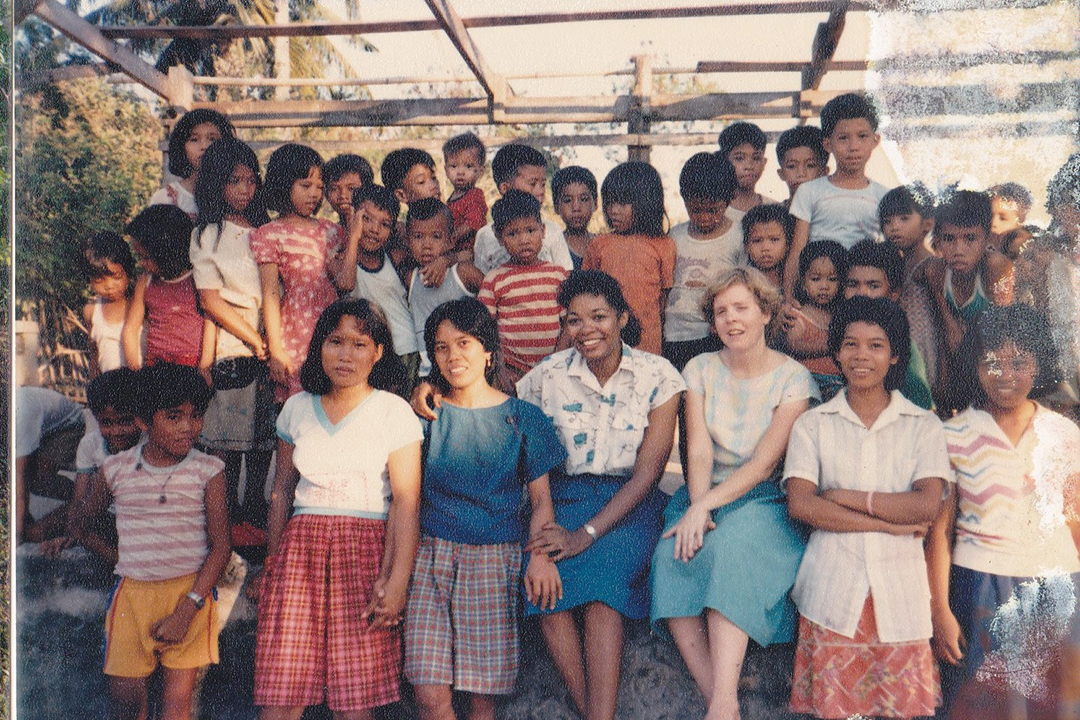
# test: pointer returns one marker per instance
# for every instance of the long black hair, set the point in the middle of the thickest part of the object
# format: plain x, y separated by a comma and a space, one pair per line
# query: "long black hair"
179, 165
388, 373
218, 164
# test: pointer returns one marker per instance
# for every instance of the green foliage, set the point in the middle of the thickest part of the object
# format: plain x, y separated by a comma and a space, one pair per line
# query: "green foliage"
86, 160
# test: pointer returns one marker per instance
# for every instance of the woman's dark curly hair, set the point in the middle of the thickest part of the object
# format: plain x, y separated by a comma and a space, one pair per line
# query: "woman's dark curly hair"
600, 284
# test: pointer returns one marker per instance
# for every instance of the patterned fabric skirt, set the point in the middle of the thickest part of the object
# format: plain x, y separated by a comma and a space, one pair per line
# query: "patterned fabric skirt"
837, 676
311, 640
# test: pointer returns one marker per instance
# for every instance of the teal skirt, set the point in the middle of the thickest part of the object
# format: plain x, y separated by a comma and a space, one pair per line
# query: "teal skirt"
613, 570
744, 570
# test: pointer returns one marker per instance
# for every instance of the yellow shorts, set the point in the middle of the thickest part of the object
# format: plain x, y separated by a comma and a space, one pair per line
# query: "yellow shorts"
130, 651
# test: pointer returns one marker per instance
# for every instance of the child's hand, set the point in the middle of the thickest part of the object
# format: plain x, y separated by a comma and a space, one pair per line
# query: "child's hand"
281, 367
354, 222
425, 401
434, 272
260, 351
172, 629
948, 641
52, 548
543, 584
690, 531
790, 318
205, 373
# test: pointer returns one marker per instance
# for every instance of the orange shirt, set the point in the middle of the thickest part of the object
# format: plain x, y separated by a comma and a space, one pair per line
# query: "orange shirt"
645, 267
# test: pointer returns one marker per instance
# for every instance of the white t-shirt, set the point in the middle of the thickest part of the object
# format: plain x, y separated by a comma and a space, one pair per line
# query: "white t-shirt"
175, 194
846, 216
343, 466
488, 254
41, 413
91, 452
383, 287
229, 268
697, 264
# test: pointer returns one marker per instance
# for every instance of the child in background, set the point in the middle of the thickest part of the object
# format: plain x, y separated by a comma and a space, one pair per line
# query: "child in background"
173, 546
461, 620
1007, 545
875, 270
164, 296
298, 255
522, 293
866, 471
337, 571
801, 156
705, 246
574, 192
637, 252
520, 167
112, 402
743, 145
907, 218
428, 229
342, 177
842, 206
109, 268
239, 420
191, 135
463, 159
823, 268
409, 173
767, 231
1010, 203
965, 280
377, 278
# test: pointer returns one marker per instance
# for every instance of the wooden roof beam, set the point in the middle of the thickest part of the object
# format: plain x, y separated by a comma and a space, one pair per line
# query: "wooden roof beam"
221, 32
87, 35
825, 41
494, 84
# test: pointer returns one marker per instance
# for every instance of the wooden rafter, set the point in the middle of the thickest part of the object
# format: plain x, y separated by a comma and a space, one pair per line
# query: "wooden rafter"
222, 32
493, 83
825, 41
90, 37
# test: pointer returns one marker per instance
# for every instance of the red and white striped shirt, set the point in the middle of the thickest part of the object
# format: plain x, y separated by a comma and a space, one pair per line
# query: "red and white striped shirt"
160, 540
523, 300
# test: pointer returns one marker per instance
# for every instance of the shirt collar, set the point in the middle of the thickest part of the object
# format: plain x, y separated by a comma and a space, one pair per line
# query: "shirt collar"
580, 369
898, 405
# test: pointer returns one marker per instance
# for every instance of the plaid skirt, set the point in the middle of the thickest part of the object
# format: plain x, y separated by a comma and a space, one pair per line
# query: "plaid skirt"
837, 676
311, 641
461, 621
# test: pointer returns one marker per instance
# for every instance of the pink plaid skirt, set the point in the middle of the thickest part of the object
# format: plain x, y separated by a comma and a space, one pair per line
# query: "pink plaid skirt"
311, 641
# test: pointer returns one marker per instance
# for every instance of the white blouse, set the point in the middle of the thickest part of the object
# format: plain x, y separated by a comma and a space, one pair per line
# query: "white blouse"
831, 448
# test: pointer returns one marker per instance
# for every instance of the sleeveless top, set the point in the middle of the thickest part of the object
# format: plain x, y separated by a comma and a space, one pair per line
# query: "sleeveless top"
974, 305
106, 337
383, 287
174, 326
423, 301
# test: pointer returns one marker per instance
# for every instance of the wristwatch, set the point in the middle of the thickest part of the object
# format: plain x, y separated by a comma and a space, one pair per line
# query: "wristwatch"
196, 598
591, 531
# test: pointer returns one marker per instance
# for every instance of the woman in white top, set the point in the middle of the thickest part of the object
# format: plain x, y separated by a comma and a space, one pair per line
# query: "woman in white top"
191, 136
866, 470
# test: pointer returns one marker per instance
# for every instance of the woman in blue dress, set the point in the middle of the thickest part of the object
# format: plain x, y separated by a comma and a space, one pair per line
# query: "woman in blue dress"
729, 554
614, 408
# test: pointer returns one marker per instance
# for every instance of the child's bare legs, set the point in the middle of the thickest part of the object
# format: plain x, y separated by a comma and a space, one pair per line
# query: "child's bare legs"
128, 696
281, 713
435, 702
692, 638
178, 688
592, 678
481, 707
727, 648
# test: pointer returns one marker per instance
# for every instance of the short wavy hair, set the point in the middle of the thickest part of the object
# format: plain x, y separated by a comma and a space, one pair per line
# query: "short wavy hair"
767, 295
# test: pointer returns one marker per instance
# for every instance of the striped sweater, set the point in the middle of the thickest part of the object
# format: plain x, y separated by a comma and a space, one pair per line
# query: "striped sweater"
523, 301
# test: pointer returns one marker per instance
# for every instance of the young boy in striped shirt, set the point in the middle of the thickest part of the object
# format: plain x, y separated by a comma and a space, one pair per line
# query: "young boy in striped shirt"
522, 293
173, 531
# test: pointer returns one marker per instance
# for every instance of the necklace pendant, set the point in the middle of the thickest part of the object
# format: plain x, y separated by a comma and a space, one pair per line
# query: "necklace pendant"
161, 499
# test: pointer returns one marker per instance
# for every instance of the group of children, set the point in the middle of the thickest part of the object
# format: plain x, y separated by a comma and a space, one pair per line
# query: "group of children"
242, 324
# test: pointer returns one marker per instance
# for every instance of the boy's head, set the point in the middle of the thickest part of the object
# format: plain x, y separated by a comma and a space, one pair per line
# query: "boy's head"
520, 167
111, 400
410, 174
767, 233
517, 223
341, 178
380, 209
849, 126
574, 192
962, 229
801, 156
875, 270
743, 145
463, 158
429, 227
906, 215
170, 404
707, 183
161, 239
1010, 203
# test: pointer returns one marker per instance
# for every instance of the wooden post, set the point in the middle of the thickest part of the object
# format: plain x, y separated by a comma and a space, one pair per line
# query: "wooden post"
282, 64
638, 114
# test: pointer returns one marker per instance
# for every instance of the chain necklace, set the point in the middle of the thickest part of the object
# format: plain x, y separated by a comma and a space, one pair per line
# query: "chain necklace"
162, 498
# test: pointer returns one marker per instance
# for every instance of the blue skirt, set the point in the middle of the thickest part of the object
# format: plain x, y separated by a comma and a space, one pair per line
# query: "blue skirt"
744, 570
613, 570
